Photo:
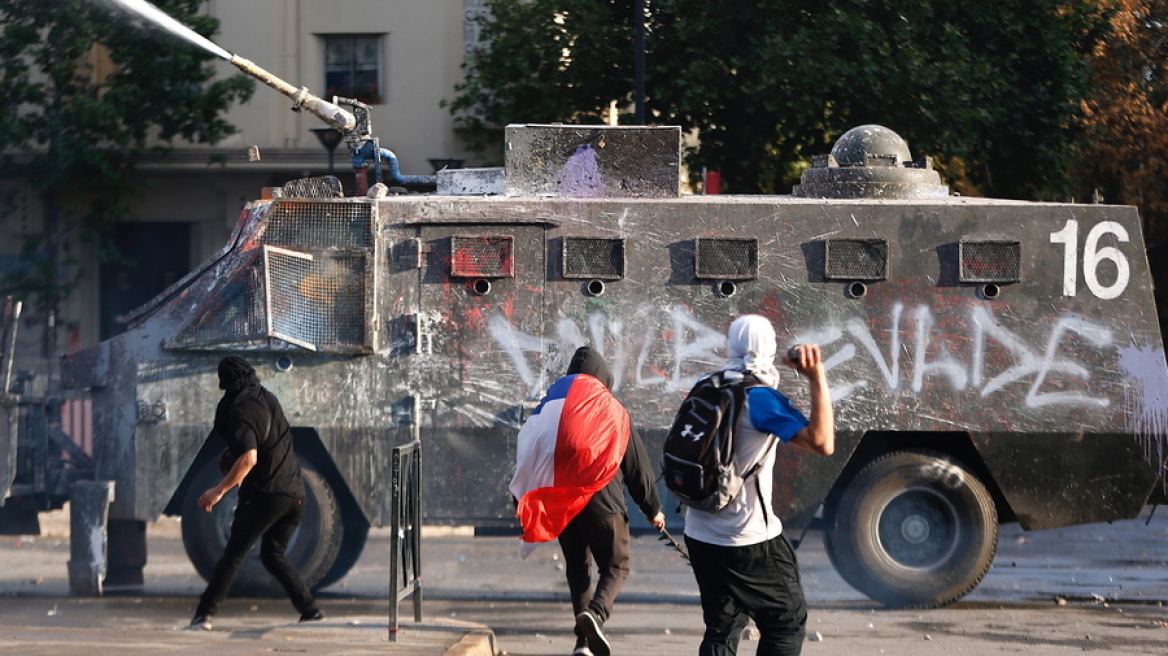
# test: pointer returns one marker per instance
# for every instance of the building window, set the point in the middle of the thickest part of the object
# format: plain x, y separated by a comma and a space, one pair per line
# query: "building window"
353, 67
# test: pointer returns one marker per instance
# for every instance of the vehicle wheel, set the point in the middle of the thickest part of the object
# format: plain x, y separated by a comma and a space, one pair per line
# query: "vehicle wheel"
352, 546
913, 530
312, 550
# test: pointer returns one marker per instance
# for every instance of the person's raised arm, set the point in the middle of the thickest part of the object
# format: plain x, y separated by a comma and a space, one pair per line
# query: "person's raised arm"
819, 434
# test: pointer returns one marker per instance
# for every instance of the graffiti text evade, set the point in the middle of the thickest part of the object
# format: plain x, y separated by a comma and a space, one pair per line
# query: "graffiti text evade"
675, 347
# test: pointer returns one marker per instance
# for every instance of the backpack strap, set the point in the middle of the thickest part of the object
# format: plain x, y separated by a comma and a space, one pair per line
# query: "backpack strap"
771, 442
750, 381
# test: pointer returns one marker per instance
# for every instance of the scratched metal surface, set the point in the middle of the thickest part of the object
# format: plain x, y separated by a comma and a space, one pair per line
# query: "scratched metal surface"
1059, 381
593, 161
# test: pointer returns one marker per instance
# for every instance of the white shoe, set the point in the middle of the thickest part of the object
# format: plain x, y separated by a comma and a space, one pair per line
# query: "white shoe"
201, 623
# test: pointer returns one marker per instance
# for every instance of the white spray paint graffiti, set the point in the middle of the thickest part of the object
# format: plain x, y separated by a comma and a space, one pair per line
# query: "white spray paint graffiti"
692, 342
1147, 397
1028, 361
515, 343
667, 356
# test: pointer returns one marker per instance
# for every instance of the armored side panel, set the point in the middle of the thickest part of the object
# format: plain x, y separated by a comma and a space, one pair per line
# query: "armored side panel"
1026, 328
295, 292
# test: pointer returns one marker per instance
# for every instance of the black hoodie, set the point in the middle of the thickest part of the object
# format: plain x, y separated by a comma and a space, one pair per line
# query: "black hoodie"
250, 417
635, 470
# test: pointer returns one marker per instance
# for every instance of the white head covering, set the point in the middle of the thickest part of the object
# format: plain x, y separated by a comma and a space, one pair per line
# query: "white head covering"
751, 346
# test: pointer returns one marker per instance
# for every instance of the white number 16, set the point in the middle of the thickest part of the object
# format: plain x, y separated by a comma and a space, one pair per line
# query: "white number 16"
1092, 256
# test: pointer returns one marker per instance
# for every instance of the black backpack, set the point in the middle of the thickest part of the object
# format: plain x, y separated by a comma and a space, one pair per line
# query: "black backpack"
698, 458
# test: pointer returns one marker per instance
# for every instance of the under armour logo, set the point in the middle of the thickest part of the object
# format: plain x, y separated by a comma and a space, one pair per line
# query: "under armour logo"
690, 434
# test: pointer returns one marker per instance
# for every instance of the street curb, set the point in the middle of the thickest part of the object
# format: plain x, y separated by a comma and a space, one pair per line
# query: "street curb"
479, 642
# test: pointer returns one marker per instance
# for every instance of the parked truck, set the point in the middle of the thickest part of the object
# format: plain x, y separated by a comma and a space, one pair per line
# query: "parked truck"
991, 361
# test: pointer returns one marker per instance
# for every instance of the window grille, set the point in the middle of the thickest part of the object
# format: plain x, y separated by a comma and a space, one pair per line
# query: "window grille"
594, 258
326, 186
317, 301
726, 259
309, 225
990, 261
233, 312
484, 256
314, 301
856, 259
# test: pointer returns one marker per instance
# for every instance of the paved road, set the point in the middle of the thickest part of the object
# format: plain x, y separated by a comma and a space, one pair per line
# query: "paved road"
1098, 588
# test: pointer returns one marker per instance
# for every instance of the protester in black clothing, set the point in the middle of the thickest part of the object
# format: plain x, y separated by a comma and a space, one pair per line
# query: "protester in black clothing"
601, 531
271, 492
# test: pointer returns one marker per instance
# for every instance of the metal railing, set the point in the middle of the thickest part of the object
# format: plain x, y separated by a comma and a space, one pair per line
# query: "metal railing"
405, 545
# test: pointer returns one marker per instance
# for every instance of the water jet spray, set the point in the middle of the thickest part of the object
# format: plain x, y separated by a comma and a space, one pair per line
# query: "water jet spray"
355, 125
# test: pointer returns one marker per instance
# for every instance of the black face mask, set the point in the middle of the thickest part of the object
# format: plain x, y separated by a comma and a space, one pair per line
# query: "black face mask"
235, 373
588, 361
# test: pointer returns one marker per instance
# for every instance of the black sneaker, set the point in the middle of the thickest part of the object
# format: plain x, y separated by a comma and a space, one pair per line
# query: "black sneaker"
589, 625
582, 647
313, 615
200, 623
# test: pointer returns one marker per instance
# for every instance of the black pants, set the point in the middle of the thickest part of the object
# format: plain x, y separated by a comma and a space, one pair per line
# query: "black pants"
760, 581
605, 539
274, 517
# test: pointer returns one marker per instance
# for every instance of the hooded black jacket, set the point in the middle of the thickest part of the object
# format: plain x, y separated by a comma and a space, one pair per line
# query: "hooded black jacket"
250, 417
635, 471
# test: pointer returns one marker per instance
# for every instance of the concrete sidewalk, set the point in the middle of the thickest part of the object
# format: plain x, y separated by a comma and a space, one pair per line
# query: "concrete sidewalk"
40, 618
72, 626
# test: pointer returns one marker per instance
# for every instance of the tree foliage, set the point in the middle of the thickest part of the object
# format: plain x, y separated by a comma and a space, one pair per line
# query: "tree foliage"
558, 61
1126, 157
991, 88
73, 131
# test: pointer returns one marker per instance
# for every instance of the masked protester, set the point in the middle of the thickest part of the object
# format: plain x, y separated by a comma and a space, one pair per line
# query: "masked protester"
260, 460
576, 455
744, 565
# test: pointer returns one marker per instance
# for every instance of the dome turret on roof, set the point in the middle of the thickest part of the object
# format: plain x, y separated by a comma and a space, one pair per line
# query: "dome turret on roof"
870, 161
854, 147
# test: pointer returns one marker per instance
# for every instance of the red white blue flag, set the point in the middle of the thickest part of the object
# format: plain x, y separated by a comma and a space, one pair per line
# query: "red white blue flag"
570, 448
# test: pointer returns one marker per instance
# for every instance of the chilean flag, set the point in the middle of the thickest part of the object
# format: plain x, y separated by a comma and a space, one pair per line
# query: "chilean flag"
570, 448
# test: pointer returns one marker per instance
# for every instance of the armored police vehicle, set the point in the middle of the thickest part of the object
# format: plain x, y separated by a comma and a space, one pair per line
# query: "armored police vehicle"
990, 361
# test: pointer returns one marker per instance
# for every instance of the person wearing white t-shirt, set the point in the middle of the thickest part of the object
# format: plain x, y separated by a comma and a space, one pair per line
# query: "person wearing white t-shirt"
744, 565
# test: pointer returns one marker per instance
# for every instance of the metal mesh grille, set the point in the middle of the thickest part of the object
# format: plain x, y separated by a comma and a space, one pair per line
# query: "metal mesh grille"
318, 303
323, 187
312, 225
588, 257
482, 256
234, 312
726, 259
991, 261
856, 259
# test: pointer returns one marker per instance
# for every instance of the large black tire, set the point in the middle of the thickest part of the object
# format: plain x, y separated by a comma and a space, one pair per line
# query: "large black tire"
312, 550
352, 546
913, 530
